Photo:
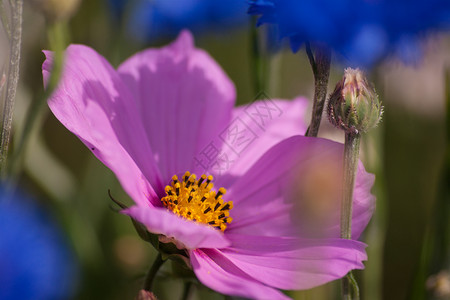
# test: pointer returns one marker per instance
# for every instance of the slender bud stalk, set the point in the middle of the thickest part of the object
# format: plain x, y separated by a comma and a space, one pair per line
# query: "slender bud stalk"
351, 155
355, 108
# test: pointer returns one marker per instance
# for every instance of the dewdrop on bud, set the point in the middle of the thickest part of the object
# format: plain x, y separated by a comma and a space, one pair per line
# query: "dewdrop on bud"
55, 10
354, 105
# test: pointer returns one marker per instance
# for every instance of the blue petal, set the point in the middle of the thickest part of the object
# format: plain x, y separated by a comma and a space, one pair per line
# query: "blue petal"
361, 31
35, 261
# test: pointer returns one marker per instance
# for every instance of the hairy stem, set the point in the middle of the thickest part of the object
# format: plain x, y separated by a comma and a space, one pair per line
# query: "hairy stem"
351, 155
13, 79
320, 64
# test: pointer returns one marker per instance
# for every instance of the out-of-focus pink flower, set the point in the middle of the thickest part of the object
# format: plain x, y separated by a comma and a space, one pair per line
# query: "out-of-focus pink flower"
167, 111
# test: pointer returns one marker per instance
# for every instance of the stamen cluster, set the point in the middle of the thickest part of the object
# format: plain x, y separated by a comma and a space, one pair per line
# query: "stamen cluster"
194, 200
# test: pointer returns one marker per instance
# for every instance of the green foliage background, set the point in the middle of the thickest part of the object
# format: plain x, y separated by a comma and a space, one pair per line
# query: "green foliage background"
409, 152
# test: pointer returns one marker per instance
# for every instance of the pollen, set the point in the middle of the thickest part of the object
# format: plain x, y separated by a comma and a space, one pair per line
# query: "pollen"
194, 199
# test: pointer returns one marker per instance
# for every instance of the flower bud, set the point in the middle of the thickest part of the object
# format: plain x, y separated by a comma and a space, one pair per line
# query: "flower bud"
145, 295
354, 105
57, 9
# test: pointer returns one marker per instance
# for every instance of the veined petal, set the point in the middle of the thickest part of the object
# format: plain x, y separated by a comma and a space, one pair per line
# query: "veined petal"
216, 271
363, 201
257, 127
295, 189
184, 99
191, 234
292, 263
93, 103
363, 204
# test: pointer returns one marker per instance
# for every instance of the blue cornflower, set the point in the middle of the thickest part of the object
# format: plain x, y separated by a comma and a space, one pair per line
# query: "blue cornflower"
148, 19
35, 262
362, 31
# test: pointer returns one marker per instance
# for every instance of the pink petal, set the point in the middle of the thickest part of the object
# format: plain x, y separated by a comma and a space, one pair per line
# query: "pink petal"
192, 234
278, 197
216, 271
364, 201
290, 263
93, 103
184, 99
257, 127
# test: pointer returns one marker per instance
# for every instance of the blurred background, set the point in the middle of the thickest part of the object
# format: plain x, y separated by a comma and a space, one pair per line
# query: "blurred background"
408, 236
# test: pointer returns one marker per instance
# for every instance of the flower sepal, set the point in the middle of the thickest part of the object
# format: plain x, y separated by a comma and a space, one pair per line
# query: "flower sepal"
183, 272
170, 250
168, 247
140, 228
145, 234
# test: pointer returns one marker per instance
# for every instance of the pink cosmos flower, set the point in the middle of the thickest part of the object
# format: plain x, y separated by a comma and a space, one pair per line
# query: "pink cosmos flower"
167, 111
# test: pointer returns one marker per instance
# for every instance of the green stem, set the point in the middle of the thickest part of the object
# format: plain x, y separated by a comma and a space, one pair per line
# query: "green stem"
187, 290
351, 155
258, 60
320, 64
150, 277
13, 79
57, 33
347, 281
345, 285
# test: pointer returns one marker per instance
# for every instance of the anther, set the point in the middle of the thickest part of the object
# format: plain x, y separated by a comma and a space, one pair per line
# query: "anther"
188, 184
203, 177
221, 192
177, 188
204, 197
186, 176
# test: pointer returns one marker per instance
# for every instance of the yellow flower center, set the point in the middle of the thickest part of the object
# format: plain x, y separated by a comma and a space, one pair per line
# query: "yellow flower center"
194, 200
